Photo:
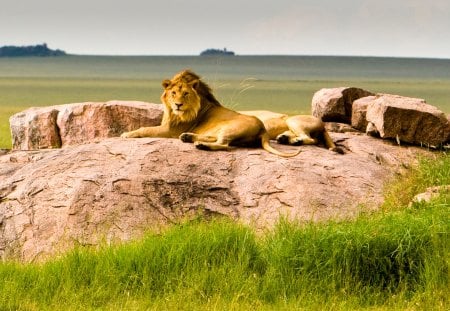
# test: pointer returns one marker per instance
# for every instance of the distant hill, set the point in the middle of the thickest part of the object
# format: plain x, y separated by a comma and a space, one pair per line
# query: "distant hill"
31, 50
209, 52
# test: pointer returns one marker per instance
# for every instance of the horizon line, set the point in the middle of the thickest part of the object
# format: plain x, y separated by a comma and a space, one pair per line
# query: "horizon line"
258, 55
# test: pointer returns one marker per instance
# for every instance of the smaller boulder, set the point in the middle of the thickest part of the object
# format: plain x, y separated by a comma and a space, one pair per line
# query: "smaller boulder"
335, 104
58, 126
87, 122
35, 128
430, 194
359, 110
408, 119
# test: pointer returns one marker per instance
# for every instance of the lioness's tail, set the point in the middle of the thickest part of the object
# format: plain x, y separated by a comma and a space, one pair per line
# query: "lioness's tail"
265, 138
330, 143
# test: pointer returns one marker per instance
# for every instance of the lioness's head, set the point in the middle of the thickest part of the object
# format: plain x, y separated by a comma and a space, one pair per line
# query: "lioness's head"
184, 95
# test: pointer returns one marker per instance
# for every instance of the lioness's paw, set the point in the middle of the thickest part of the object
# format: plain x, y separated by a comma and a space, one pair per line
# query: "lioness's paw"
283, 139
297, 142
131, 134
201, 146
337, 150
187, 137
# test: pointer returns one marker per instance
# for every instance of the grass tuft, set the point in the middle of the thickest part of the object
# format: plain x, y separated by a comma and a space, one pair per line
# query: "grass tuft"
431, 171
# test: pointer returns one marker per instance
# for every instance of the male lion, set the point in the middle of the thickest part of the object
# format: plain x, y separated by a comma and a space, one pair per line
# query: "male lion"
295, 130
192, 113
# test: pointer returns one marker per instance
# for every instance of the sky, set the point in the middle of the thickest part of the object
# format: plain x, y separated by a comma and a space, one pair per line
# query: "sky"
398, 28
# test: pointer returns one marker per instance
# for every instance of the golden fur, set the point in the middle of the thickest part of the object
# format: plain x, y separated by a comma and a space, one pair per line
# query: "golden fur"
193, 114
295, 130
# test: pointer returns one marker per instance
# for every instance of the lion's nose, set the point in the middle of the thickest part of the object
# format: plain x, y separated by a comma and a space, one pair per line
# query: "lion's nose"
179, 105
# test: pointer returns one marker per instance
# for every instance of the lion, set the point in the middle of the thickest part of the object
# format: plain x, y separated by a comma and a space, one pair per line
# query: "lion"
295, 130
194, 115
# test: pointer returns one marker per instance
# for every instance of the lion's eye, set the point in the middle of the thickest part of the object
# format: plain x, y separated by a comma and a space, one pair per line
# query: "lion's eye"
174, 93
185, 94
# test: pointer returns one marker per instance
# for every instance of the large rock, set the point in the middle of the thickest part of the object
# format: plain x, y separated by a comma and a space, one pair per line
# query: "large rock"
409, 120
335, 104
116, 189
57, 126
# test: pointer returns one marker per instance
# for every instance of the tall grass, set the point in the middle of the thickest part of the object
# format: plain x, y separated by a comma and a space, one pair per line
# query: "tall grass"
396, 259
431, 171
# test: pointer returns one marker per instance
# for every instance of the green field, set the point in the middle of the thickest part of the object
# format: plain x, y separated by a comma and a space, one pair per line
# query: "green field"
280, 83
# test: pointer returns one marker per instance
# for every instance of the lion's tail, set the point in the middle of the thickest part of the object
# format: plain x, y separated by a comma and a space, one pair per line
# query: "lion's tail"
265, 138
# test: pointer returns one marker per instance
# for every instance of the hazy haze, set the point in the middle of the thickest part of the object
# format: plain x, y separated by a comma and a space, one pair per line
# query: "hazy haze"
405, 28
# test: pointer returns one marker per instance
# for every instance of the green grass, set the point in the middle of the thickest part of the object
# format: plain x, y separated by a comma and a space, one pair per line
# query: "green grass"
432, 171
395, 259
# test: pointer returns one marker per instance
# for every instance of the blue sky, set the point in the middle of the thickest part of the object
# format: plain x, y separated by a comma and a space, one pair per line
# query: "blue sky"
401, 28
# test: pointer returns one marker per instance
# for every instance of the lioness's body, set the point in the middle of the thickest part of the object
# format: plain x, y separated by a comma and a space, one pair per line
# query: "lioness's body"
193, 114
294, 130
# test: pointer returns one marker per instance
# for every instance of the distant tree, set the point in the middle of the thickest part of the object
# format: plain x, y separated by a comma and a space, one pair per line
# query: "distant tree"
30, 50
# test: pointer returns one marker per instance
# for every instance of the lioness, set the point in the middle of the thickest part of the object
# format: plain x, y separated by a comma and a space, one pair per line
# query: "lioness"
295, 130
192, 113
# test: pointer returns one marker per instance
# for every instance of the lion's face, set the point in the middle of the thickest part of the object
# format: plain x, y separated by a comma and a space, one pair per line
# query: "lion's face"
181, 99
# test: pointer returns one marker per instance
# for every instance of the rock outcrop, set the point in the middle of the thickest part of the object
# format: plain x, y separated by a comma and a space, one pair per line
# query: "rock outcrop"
99, 189
335, 104
116, 189
63, 125
407, 119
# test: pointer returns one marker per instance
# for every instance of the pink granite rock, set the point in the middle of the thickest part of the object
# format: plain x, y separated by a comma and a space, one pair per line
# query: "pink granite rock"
359, 110
335, 104
117, 189
58, 126
408, 119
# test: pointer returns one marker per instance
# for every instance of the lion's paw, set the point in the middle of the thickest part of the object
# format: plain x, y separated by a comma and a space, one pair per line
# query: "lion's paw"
187, 137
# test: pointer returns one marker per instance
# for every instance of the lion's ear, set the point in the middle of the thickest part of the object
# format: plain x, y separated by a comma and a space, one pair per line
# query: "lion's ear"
166, 84
195, 84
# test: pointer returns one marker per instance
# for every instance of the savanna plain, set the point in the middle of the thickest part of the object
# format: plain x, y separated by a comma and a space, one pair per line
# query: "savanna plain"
393, 259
